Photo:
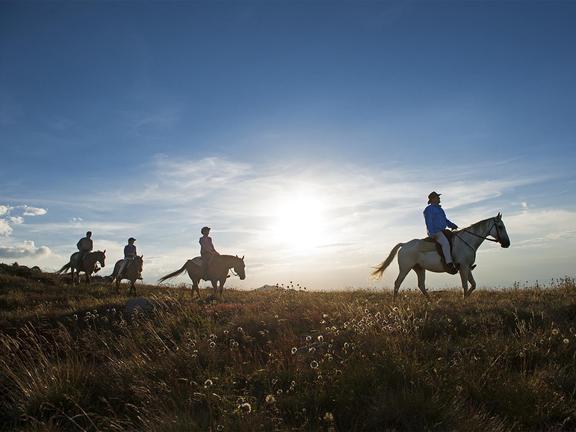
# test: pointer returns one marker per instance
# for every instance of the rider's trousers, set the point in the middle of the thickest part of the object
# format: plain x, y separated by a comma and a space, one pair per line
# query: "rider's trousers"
441, 238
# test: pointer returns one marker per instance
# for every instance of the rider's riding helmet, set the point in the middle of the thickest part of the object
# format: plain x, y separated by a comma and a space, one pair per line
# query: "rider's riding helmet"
131, 240
205, 230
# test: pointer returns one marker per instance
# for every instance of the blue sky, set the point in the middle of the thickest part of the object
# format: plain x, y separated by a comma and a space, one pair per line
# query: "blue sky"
307, 134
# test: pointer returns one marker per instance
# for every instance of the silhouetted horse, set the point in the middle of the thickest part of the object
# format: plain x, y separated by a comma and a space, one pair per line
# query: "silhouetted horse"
420, 255
217, 271
131, 272
88, 264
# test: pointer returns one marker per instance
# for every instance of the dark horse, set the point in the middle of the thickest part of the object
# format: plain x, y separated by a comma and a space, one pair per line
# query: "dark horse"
131, 272
88, 264
217, 271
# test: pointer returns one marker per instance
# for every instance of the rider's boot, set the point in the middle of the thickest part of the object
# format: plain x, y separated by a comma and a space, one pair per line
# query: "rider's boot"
452, 268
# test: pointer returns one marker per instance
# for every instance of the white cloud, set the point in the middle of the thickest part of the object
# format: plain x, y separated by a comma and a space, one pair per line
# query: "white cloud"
4, 210
363, 210
16, 220
5, 228
33, 211
24, 250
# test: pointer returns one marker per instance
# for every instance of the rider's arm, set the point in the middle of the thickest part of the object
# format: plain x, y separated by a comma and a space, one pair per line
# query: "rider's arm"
451, 224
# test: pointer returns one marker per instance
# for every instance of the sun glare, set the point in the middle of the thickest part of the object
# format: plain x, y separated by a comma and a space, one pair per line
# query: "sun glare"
299, 222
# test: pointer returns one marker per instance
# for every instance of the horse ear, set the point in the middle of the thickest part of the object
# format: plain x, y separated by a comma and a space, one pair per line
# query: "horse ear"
499, 215
242, 257
104, 251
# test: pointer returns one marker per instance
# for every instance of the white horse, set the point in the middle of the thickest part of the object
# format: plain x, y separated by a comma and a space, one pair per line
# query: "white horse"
420, 255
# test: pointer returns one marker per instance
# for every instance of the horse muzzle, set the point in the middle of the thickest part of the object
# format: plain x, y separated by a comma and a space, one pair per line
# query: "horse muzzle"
505, 244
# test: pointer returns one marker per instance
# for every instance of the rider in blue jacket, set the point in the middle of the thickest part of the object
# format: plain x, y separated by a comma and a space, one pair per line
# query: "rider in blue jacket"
436, 223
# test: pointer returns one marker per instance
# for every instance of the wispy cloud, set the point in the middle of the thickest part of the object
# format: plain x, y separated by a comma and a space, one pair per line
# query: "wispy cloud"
358, 213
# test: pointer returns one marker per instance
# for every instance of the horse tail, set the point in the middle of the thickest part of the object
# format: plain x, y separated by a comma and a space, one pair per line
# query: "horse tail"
380, 269
171, 275
64, 268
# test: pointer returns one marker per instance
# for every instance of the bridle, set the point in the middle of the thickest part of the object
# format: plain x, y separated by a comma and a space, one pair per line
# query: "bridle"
483, 237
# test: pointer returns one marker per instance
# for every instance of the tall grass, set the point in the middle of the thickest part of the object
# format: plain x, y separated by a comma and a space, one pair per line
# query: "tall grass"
287, 360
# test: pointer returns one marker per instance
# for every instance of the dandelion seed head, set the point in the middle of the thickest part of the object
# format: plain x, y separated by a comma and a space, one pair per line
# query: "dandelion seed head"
245, 408
212, 344
328, 417
314, 364
566, 341
294, 350
308, 338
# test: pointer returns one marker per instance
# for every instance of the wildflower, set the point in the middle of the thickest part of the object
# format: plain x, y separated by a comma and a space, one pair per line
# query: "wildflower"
320, 338
555, 332
522, 354
245, 408
294, 350
308, 338
208, 383
270, 399
346, 345
324, 316
329, 417
220, 428
311, 349
212, 344
314, 364
279, 392
566, 341
75, 317
240, 330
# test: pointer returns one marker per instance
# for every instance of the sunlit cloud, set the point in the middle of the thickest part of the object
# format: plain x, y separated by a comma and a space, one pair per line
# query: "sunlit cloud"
323, 224
26, 249
33, 211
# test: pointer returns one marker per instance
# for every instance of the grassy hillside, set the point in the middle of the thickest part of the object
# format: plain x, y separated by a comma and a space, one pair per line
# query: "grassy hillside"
73, 359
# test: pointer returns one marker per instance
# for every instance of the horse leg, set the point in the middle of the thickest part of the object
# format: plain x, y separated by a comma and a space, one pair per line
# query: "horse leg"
464, 272
215, 286
221, 288
472, 282
403, 272
421, 273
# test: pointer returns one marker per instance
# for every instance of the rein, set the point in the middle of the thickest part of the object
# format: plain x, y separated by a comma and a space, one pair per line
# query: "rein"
480, 236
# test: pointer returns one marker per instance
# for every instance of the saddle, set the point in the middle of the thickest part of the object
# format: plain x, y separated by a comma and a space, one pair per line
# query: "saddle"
450, 236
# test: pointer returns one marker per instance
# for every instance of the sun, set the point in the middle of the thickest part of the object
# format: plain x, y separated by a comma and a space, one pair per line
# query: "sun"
299, 222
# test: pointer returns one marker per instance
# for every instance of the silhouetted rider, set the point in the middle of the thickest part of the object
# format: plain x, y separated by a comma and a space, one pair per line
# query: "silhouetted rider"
436, 223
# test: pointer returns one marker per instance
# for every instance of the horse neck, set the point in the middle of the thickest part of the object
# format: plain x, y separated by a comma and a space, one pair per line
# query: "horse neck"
481, 229
228, 260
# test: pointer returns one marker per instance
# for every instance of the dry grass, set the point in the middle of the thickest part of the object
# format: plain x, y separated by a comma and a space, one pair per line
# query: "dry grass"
286, 360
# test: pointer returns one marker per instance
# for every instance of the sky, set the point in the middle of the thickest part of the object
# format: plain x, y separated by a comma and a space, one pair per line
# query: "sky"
306, 134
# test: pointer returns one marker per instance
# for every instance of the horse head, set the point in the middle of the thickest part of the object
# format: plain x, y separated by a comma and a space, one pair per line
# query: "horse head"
498, 231
101, 257
239, 268
139, 263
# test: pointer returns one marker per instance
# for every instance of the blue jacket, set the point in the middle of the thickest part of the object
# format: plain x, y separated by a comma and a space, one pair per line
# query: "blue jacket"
436, 219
